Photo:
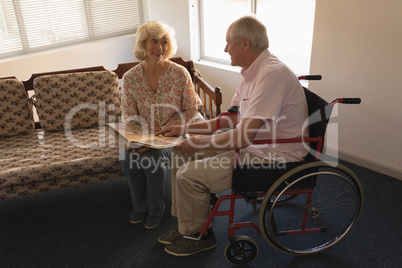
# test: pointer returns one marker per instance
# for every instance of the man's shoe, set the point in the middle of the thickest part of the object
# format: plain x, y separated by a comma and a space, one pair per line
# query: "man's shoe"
137, 217
189, 245
170, 237
153, 221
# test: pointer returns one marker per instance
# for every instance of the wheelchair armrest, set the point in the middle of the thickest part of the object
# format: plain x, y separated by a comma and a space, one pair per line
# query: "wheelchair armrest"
234, 109
291, 140
318, 140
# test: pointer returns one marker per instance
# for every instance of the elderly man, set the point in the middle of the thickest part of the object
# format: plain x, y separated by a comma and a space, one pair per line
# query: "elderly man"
272, 105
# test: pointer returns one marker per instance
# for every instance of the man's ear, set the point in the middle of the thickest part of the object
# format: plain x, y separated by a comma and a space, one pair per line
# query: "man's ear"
246, 42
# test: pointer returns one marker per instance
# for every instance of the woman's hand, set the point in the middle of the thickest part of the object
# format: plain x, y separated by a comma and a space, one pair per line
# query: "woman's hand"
155, 128
172, 131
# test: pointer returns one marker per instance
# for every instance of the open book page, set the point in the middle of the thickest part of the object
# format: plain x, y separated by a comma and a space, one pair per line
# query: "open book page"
133, 136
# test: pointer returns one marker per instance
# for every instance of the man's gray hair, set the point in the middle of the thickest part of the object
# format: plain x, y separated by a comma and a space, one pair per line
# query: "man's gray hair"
250, 27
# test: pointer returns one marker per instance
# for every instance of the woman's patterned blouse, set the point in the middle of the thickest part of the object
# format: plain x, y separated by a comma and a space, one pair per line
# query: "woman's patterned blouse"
175, 101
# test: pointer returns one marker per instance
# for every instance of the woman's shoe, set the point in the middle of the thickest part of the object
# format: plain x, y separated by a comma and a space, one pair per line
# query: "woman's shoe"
153, 221
137, 217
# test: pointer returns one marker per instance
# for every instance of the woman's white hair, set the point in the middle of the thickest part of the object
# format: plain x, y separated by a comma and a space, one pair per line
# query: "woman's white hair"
253, 29
157, 29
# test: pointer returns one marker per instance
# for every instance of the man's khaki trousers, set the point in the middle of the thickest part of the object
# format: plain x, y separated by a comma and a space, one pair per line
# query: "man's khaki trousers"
194, 177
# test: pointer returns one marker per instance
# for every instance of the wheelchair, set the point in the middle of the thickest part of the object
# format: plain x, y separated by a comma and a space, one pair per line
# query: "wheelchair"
304, 208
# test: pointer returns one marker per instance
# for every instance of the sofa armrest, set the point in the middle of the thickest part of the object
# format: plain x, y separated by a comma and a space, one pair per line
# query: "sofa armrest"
16, 110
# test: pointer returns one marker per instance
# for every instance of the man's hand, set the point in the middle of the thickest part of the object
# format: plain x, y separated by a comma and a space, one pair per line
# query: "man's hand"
189, 145
172, 131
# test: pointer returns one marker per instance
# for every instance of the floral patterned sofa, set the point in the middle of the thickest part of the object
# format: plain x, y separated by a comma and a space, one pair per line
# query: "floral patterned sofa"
71, 147
67, 143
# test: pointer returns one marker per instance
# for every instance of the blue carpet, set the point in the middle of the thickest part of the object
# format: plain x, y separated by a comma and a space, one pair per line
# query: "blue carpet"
88, 226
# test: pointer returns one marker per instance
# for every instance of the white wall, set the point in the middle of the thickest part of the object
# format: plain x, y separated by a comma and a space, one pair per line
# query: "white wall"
107, 53
176, 14
227, 80
357, 47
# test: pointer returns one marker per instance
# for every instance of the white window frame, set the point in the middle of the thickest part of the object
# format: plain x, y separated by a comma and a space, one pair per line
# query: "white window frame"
101, 15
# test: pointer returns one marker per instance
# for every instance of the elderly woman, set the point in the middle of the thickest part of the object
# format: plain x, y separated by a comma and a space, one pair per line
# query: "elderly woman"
157, 92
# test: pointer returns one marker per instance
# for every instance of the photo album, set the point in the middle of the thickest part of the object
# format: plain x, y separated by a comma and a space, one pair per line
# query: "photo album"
133, 136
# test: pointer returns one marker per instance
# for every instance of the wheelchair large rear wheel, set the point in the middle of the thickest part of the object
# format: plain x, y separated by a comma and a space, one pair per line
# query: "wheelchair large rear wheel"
328, 202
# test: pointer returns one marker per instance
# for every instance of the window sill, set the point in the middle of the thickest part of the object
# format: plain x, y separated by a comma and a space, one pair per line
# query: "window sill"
217, 65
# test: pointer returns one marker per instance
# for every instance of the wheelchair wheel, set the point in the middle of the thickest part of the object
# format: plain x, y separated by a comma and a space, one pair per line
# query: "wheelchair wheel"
245, 252
328, 202
284, 198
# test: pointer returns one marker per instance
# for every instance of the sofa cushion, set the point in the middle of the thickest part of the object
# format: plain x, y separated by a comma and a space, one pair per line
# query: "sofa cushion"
77, 100
41, 161
15, 111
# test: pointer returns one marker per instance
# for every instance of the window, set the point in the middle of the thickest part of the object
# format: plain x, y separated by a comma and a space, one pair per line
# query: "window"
32, 25
289, 25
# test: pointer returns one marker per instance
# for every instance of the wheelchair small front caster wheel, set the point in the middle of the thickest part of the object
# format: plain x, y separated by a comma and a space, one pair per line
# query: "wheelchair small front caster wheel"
245, 252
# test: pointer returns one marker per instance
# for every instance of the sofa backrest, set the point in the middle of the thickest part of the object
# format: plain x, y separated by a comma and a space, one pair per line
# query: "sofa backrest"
76, 100
15, 110
211, 97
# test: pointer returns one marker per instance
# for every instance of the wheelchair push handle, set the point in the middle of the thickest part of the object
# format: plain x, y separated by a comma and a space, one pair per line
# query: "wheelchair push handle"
310, 77
351, 100
347, 101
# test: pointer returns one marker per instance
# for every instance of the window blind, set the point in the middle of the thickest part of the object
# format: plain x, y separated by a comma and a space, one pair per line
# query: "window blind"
31, 25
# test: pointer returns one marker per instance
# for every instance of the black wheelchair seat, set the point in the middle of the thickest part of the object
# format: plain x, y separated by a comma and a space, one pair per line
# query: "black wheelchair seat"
259, 178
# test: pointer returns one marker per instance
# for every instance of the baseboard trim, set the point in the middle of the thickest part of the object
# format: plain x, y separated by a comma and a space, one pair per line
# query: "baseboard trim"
366, 163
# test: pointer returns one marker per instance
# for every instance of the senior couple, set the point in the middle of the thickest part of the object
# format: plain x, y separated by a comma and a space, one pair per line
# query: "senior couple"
268, 91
